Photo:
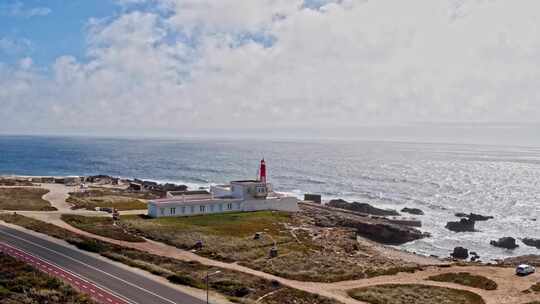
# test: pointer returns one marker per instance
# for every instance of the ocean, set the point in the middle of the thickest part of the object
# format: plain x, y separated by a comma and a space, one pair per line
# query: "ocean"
440, 179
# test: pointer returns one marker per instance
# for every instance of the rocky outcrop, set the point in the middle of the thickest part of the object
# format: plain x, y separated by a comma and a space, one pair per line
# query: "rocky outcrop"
464, 225
460, 253
523, 259
531, 242
361, 208
376, 229
414, 211
505, 242
474, 216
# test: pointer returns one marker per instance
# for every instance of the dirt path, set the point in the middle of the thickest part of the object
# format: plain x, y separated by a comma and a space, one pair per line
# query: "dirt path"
57, 196
509, 291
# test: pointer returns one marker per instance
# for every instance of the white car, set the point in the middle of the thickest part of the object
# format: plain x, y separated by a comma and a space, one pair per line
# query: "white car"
525, 269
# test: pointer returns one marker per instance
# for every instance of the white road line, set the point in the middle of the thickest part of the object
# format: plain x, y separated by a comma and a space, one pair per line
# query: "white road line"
94, 268
76, 276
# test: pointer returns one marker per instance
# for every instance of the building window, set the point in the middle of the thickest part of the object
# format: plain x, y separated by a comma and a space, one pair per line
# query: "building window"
183, 210
192, 209
220, 207
229, 206
162, 210
203, 208
173, 210
211, 208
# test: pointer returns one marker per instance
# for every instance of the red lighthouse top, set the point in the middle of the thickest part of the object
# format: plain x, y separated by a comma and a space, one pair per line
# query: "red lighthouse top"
262, 172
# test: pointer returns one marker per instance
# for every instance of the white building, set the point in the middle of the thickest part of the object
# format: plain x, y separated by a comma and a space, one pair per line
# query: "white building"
245, 195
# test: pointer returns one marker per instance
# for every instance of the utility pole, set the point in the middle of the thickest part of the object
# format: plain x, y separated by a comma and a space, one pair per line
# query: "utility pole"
208, 275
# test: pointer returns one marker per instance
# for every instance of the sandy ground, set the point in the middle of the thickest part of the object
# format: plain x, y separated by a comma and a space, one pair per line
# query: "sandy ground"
509, 291
57, 196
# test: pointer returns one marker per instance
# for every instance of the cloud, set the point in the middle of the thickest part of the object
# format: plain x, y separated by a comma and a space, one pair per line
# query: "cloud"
13, 46
18, 9
233, 64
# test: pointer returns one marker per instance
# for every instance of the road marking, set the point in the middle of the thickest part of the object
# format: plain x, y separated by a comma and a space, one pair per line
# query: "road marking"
94, 268
70, 279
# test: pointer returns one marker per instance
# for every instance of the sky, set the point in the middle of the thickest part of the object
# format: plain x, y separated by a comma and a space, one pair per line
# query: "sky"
426, 70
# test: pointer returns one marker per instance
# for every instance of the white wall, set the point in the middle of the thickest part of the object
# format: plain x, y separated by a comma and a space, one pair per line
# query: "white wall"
181, 209
289, 204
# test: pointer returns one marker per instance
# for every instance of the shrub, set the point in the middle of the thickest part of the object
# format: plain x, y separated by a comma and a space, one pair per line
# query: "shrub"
183, 279
88, 245
467, 279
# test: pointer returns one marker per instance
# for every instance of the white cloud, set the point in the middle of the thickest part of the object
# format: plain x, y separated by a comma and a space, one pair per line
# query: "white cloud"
243, 63
18, 9
12, 46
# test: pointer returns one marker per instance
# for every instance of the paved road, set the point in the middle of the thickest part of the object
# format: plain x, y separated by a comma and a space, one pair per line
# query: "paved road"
129, 286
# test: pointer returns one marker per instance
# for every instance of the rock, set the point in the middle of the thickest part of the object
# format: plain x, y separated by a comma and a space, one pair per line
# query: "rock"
361, 208
406, 222
474, 216
531, 242
505, 242
460, 253
531, 259
414, 211
375, 229
474, 256
464, 225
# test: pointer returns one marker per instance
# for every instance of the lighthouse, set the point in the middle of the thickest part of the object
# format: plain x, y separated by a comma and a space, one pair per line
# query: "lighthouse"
262, 172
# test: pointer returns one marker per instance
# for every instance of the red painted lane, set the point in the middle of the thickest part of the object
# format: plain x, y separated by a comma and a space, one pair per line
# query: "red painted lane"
97, 293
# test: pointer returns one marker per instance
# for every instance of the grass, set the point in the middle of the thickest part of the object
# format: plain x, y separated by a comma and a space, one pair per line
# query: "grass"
467, 279
414, 294
237, 286
103, 226
327, 257
20, 283
24, 199
110, 198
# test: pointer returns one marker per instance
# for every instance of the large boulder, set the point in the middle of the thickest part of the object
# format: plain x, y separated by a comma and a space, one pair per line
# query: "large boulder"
505, 242
531, 242
361, 208
414, 211
464, 225
460, 253
474, 216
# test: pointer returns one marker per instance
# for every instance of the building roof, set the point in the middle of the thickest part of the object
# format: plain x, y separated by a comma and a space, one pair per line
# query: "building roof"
189, 193
247, 181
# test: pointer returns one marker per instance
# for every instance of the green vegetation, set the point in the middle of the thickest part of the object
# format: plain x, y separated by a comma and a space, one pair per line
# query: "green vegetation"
467, 279
414, 294
304, 252
23, 198
110, 198
103, 226
238, 286
20, 283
